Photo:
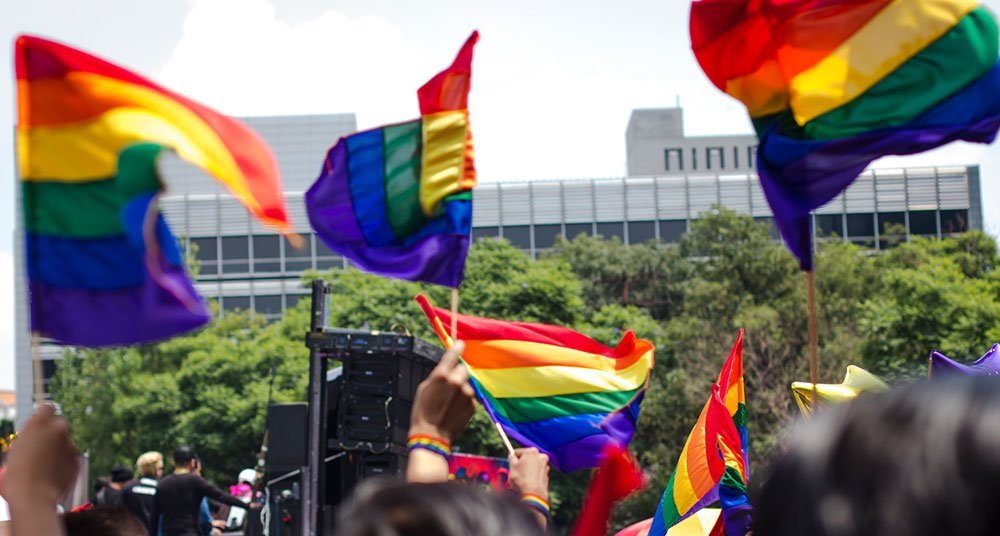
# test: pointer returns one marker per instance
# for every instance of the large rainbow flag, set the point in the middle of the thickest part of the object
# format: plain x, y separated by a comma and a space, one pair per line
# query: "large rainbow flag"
397, 200
551, 387
103, 268
713, 464
832, 85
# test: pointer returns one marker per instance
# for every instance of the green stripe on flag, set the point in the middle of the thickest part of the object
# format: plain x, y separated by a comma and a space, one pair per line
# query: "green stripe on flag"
401, 154
668, 511
530, 409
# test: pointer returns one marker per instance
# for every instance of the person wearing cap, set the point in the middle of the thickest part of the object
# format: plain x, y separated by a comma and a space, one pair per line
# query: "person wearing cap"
178, 497
138, 495
112, 495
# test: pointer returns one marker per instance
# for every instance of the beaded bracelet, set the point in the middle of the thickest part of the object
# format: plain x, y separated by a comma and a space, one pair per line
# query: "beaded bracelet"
537, 503
437, 445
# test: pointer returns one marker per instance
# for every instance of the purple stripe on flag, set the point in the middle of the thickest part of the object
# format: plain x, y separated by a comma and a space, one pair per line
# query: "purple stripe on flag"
328, 201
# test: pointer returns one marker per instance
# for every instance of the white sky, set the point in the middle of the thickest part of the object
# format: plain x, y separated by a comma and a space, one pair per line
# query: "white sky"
553, 82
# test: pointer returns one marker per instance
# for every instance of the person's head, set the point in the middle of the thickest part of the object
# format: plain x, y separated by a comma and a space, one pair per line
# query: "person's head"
150, 464
386, 508
920, 460
185, 458
100, 483
120, 475
103, 521
247, 476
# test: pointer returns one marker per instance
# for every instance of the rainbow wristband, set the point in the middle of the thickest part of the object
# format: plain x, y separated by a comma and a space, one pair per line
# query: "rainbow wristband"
537, 503
437, 445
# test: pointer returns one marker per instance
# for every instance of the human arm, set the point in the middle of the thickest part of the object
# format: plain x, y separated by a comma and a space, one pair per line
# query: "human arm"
217, 495
529, 477
442, 408
41, 465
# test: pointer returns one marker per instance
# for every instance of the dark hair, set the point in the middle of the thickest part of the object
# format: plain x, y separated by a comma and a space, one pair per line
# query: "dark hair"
120, 473
184, 454
386, 508
103, 521
920, 460
101, 482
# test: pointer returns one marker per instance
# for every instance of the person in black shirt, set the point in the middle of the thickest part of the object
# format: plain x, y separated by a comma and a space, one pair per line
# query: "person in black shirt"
112, 495
178, 497
138, 495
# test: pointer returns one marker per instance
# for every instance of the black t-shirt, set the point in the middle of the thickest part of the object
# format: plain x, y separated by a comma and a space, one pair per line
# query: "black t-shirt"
108, 497
178, 500
138, 497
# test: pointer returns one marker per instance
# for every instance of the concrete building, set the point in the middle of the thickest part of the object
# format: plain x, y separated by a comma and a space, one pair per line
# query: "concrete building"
671, 180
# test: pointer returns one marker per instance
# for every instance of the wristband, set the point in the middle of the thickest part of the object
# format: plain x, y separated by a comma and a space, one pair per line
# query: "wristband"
537, 503
437, 445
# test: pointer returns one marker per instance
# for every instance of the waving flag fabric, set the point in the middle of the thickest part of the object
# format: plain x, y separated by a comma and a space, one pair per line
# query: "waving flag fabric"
103, 267
551, 387
714, 456
988, 365
617, 477
397, 200
832, 85
857, 381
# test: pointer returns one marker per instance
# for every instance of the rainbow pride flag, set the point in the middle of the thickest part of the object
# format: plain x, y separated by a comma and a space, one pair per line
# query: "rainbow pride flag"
103, 267
713, 464
551, 387
397, 200
832, 85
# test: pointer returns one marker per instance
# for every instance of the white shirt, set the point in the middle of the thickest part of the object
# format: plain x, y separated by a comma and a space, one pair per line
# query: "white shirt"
4, 511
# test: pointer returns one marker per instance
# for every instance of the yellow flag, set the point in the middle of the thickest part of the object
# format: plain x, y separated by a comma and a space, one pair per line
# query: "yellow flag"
857, 381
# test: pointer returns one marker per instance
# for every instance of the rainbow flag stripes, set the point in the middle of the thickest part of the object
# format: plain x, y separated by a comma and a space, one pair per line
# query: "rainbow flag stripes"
832, 85
551, 387
397, 200
103, 267
713, 464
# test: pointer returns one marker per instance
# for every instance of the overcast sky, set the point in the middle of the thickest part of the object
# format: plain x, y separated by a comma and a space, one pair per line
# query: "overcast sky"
553, 82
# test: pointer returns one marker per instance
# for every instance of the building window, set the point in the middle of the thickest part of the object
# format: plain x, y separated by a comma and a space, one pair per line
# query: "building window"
694, 158
207, 254
518, 235
736, 157
954, 221
269, 306
235, 303
751, 156
266, 253
610, 229
891, 219
923, 222
292, 300
545, 235
235, 255
574, 230
680, 158
860, 226
326, 259
298, 260
829, 225
484, 232
641, 231
671, 230
718, 151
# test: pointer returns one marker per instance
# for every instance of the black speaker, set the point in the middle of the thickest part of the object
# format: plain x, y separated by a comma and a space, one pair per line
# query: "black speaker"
380, 378
286, 431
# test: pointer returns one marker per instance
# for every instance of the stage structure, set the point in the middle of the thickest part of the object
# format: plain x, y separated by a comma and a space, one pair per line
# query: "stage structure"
361, 389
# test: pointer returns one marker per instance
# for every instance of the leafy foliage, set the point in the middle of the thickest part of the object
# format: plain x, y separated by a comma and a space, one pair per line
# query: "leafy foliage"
885, 311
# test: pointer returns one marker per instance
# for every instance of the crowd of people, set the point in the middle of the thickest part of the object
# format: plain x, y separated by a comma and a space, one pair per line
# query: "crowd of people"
919, 460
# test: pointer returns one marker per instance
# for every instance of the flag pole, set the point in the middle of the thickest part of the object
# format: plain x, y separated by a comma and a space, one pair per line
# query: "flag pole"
37, 373
813, 335
454, 314
506, 440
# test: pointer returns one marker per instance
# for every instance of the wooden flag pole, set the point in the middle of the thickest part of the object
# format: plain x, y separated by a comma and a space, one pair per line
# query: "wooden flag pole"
454, 314
506, 440
813, 335
36, 370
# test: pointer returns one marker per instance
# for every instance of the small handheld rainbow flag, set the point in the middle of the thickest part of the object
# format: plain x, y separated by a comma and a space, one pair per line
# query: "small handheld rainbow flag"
553, 388
713, 464
397, 200
833, 85
103, 267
